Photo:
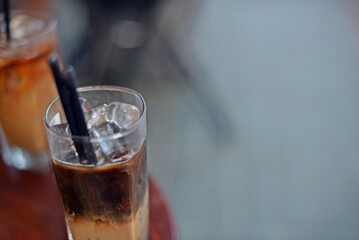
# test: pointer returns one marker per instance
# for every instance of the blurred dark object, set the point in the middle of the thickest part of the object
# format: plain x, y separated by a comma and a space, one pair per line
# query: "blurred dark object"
114, 39
136, 8
117, 38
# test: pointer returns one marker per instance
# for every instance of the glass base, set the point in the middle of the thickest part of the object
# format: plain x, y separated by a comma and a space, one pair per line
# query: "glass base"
23, 160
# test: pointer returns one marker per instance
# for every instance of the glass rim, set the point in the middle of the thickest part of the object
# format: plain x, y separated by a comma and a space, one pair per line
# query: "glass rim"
50, 25
68, 137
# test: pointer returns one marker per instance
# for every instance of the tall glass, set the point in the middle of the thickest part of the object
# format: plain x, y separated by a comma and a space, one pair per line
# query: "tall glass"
108, 199
26, 88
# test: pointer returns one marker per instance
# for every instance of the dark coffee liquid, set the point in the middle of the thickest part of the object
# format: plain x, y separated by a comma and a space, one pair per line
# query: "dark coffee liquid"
110, 192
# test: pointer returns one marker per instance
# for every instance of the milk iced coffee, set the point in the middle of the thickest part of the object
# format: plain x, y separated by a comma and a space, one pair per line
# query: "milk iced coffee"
26, 88
107, 200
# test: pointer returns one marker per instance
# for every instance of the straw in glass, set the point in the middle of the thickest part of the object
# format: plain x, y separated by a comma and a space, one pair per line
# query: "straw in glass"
66, 86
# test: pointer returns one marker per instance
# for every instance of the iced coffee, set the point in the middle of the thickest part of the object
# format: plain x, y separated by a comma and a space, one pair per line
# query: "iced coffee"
26, 88
107, 199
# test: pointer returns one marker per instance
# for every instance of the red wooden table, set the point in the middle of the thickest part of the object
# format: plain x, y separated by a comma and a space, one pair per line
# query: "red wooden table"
30, 208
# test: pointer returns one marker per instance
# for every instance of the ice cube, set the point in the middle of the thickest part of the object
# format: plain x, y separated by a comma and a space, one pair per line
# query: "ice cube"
123, 114
61, 145
95, 116
69, 153
108, 120
85, 104
62, 128
111, 149
56, 119
23, 26
121, 156
69, 157
99, 154
105, 129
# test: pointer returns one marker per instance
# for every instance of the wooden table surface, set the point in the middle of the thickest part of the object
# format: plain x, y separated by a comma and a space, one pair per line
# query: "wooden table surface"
30, 208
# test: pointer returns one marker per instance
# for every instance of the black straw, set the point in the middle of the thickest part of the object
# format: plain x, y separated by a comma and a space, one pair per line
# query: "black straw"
66, 86
6, 8
87, 149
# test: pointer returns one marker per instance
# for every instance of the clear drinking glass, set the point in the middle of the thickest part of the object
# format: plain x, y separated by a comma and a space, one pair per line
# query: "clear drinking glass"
109, 199
26, 88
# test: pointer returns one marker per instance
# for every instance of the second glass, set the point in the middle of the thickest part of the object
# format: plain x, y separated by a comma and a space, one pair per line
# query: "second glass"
107, 199
26, 88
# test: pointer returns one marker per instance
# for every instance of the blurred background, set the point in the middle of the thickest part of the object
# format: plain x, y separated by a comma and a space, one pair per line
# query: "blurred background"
253, 118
